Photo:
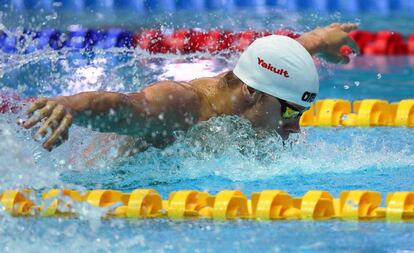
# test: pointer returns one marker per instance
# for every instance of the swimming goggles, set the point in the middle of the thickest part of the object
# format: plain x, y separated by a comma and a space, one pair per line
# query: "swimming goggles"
289, 112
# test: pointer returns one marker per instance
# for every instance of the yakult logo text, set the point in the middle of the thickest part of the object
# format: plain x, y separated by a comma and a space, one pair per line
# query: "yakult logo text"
269, 67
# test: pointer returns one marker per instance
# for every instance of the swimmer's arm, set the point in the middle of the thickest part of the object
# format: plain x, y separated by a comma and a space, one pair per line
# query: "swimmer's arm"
98, 110
165, 106
154, 113
327, 41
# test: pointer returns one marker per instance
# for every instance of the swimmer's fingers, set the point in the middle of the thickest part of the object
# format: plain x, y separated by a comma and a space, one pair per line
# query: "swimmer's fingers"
352, 44
36, 105
345, 29
58, 136
348, 27
64, 137
39, 115
60, 140
345, 59
52, 122
345, 41
334, 25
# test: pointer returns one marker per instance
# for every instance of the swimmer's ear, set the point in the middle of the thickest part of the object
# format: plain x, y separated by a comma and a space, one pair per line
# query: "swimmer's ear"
257, 96
253, 94
246, 91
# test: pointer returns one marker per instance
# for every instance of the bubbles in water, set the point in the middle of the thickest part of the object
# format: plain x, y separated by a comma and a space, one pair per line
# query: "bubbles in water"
18, 166
52, 16
379, 76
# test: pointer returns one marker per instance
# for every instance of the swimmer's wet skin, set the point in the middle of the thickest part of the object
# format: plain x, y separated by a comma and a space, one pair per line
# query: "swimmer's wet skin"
274, 81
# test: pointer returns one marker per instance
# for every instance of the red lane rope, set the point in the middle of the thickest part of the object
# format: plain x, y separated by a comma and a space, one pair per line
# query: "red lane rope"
12, 103
383, 43
215, 41
191, 41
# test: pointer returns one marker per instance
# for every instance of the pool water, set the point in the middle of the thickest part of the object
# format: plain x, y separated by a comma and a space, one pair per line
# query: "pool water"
223, 153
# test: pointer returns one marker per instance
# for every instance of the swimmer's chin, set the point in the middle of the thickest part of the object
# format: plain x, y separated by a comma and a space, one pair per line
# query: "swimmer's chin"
286, 135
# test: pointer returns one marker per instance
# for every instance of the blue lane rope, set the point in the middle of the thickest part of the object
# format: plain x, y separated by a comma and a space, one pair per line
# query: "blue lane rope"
383, 6
78, 38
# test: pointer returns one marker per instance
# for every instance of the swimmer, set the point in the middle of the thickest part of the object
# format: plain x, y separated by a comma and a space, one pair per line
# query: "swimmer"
274, 81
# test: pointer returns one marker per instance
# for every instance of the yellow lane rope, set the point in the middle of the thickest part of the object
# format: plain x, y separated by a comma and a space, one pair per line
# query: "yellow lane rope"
362, 113
227, 204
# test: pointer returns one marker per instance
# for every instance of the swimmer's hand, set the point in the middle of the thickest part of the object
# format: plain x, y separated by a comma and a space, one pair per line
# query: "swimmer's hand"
326, 42
57, 120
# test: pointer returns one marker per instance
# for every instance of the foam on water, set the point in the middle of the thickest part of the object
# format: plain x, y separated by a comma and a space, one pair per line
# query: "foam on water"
227, 147
21, 165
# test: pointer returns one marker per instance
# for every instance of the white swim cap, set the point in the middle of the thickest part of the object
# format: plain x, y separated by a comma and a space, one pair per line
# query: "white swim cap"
281, 67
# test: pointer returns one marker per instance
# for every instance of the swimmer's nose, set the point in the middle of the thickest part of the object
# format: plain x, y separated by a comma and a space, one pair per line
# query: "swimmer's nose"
291, 126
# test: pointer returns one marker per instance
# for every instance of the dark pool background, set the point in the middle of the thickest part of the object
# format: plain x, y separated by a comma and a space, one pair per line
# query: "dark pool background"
222, 153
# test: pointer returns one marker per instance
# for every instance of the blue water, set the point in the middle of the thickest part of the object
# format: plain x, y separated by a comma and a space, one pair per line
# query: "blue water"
222, 153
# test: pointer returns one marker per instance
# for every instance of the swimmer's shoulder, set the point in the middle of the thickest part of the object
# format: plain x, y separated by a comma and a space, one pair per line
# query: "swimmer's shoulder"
166, 90
206, 89
209, 86
184, 92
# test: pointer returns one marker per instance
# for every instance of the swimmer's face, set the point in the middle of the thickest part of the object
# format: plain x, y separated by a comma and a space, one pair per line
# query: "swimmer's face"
284, 125
270, 113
